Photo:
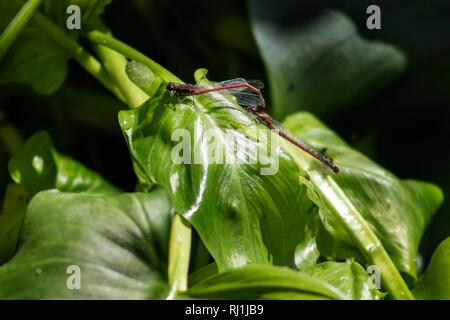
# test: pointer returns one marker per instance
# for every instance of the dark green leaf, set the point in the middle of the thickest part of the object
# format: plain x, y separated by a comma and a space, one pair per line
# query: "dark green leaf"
435, 282
398, 211
241, 215
316, 60
39, 167
56, 9
35, 59
11, 216
264, 282
119, 243
350, 278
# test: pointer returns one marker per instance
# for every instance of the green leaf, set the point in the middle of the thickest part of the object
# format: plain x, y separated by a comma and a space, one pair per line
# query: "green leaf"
397, 211
90, 9
39, 167
203, 273
141, 75
306, 254
118, 242
242, 215
350, 278
434, 284
11, 217
264, 282
316, 60
35, 58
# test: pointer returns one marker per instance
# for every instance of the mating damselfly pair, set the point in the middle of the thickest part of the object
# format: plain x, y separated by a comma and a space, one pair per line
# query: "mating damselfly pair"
248, 96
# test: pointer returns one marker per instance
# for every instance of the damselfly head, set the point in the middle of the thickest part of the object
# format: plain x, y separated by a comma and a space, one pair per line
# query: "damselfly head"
171, 86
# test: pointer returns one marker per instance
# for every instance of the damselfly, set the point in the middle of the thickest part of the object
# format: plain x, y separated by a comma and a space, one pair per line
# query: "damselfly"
248, 95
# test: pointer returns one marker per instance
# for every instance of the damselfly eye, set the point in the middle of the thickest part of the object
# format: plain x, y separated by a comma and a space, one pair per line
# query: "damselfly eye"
170, 86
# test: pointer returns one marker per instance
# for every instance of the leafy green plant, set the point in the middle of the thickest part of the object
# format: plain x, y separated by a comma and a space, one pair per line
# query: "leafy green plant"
302, 233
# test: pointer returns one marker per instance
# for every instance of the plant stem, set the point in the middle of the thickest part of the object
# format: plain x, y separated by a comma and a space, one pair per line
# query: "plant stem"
337, 202
179, 255
88, 62
363, 236
108, 41
115, 64
17, 24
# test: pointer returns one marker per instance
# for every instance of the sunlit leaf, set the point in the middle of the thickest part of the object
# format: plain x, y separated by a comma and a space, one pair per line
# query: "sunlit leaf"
264, 282
348, 277
246, 210
306, 254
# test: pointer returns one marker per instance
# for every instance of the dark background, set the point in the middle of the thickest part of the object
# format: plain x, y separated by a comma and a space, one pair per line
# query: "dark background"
404, 128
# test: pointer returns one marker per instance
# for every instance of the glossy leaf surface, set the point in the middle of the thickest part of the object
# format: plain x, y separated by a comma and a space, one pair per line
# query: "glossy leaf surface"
350, 278
249, 208
264, 282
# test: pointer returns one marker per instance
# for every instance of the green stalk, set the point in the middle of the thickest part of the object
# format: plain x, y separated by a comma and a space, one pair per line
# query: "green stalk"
108, 41
115, 64
87, 61
179, 255
17, 24
363, 236
356, 226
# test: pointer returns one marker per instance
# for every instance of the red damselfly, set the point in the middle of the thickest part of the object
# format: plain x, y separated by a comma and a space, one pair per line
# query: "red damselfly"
248, 95
266, 120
